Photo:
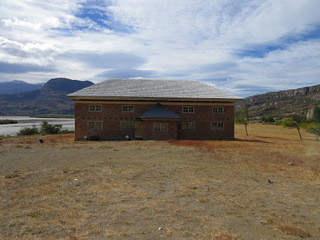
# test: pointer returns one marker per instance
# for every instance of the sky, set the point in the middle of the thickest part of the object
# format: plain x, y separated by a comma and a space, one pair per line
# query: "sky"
244, 47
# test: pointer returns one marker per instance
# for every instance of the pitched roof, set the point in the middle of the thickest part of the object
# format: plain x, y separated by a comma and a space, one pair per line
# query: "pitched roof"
147, 88
159, 111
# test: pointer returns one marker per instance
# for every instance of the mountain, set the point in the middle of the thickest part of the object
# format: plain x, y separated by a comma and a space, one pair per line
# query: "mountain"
282, 104
50, 99
18, 87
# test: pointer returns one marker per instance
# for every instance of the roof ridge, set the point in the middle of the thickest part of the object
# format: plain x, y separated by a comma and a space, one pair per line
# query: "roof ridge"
152, 88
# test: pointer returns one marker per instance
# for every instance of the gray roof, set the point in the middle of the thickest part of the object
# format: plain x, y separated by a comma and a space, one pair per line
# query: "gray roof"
147, 88
159, 111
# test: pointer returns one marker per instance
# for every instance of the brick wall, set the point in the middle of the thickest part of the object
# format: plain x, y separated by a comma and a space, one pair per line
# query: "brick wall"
111, 115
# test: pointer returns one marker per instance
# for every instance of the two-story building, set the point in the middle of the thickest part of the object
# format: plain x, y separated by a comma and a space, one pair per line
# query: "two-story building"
153, 109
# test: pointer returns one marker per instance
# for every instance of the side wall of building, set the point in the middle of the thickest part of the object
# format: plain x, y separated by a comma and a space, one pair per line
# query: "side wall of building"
110, 122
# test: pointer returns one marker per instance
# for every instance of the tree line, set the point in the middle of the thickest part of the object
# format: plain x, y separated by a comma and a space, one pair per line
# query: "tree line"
45, 128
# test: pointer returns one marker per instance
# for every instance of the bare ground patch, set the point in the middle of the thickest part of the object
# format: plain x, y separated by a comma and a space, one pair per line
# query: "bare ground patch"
161, 189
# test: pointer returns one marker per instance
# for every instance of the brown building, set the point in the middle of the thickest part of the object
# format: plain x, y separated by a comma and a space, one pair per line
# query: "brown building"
153, 109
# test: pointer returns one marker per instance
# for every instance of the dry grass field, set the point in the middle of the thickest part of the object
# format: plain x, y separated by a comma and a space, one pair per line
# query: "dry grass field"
162, 189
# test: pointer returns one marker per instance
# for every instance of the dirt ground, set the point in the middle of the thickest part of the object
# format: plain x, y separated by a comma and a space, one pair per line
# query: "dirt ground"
262, 186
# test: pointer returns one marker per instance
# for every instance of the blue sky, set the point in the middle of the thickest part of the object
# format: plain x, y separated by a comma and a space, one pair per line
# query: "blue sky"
244, 47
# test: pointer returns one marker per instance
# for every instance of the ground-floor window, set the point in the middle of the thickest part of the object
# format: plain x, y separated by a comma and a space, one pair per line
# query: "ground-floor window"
187, 125
96, 125
217, 125
160, 126
125, 125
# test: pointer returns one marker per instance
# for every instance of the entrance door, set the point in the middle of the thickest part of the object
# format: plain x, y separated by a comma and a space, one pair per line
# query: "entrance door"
139, 130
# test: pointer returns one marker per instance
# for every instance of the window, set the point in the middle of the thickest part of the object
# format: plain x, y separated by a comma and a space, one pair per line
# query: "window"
95, 125
127, 108
160, 127
95, 108
218, 109
217, 126
125, 125
188, 125
188, 109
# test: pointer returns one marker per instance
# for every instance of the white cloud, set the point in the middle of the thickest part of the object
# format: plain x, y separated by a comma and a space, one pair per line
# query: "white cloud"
191, 39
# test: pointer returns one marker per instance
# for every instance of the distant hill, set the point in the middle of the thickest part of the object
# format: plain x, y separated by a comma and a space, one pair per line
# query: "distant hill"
18, 87
282, 104
50, 99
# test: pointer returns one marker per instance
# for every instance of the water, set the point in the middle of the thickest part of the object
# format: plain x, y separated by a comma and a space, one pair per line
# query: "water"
28, 122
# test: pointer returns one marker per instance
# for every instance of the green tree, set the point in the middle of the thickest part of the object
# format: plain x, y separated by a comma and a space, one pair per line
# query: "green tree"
316, 114
292, 124
243, 117
315, 129
47, 128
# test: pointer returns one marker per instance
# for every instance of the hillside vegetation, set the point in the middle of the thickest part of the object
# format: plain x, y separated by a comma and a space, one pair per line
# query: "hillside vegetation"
282, 104
261, 186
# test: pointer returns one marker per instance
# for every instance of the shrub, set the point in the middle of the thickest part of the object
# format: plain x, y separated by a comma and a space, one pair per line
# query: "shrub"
28, 131
66, 131
315, 129
267, 119
8, 121
47, 128
316, 114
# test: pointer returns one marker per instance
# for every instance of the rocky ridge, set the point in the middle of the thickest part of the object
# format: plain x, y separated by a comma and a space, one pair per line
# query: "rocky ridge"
282, 104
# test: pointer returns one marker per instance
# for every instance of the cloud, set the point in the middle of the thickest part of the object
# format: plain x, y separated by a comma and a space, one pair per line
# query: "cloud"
23, 68
108, 60
265, 44
127, 73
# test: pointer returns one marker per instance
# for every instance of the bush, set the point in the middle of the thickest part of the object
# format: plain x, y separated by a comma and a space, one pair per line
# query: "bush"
66, 131
316, 114
268, 119
28, 131
315, 129
8, 121
47, 128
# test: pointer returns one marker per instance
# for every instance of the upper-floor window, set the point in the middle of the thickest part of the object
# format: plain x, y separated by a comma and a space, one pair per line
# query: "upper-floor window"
187, 125
217, 125
127, 108
218, 109
188, 109
95, 108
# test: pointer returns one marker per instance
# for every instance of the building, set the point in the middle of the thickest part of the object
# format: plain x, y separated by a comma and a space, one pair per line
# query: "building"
153, 109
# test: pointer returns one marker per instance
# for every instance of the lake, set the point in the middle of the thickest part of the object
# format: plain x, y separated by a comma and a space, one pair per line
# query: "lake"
27, 122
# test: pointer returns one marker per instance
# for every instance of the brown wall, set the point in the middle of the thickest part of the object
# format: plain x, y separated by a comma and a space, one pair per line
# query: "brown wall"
112, 114
149, 134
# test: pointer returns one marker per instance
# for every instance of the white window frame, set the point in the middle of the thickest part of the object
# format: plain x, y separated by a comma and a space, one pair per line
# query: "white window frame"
218, 110
127, 125
188, 125
95, 108
217, 126
160, 127
187, 109
95, 125
127, 108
